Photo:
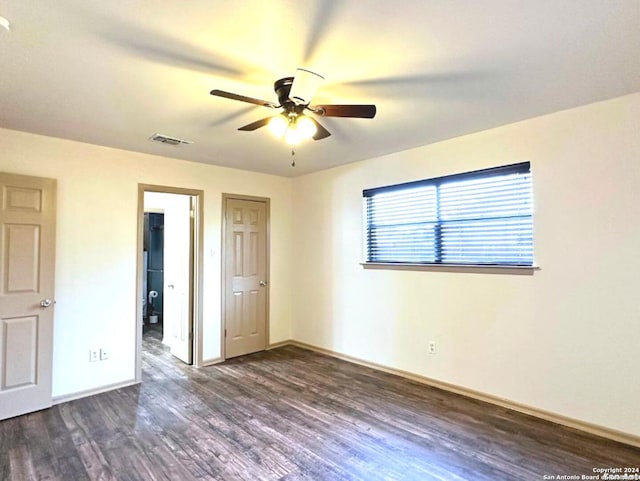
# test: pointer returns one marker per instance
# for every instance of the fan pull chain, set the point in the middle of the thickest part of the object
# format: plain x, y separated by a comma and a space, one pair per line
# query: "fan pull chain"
293, 161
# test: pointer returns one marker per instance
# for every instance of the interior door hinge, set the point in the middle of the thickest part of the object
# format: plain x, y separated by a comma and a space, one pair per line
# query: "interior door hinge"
225, 333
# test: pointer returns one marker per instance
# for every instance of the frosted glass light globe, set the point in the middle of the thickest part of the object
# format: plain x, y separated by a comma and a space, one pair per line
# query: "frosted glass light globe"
292, 136
306, 127
278, 125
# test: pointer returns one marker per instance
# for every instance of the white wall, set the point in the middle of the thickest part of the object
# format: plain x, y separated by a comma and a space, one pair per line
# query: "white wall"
96, 247
565, 339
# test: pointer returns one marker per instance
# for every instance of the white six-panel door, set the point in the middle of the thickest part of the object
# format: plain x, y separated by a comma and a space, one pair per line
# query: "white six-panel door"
245, 265
27, 255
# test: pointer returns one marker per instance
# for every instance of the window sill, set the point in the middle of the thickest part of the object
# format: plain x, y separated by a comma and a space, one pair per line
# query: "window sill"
470, 268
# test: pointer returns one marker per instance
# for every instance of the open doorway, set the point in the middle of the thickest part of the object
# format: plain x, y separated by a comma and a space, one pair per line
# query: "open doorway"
169, 272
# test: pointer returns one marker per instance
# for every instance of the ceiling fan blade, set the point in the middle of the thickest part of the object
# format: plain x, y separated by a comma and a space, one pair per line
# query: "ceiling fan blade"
255, 125
321, 133
242, 98
358, 111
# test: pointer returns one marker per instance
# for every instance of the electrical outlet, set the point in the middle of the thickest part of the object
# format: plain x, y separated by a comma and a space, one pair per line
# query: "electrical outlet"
94, 355
432, 347
104, 354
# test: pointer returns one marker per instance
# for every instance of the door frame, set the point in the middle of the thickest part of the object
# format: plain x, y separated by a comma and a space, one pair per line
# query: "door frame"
197, 270
223, 282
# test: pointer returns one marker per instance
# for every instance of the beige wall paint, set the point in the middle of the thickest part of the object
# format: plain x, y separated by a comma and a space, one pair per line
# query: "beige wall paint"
96, 247
563, 340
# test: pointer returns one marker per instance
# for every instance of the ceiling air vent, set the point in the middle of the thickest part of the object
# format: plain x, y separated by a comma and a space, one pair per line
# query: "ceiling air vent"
165, 139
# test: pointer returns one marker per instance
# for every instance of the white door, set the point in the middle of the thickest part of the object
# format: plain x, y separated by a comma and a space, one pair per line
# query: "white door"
27, 256
245, 264
178, 268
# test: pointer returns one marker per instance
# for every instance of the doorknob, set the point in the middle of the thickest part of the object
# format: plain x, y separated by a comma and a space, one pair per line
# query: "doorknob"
263, 283
47, 303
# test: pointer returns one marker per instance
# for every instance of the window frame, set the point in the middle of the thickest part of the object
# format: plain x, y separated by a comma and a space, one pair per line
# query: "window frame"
517, 168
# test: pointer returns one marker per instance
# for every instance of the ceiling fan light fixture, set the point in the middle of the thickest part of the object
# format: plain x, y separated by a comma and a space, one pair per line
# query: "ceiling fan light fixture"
305, 84
306, 127
294, 98
278, 125
292, 136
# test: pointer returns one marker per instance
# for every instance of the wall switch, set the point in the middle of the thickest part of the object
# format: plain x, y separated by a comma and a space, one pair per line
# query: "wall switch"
432, 347
94, 355
104, 354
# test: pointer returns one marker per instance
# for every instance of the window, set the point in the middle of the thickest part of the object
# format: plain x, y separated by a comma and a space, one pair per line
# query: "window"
476, 218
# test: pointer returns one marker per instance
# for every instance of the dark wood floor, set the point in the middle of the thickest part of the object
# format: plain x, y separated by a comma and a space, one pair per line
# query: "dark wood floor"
289, 414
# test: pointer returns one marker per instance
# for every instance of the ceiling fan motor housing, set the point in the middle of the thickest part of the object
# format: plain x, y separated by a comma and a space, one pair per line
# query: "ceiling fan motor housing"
283, 88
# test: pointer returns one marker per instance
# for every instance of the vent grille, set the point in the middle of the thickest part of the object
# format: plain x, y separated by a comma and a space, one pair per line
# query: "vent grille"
165, 139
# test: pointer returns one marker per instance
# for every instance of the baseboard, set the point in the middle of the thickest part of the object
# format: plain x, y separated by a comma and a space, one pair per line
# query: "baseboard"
218, 360
276, 345
211, 362
590, 428
92, 392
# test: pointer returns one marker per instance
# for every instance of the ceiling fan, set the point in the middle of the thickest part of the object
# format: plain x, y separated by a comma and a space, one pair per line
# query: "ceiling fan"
294, 97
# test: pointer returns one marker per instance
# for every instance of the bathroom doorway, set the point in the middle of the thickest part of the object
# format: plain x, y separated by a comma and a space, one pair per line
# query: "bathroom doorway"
169, 272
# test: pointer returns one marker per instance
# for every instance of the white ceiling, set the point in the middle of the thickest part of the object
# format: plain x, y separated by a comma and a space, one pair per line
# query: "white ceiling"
115, 72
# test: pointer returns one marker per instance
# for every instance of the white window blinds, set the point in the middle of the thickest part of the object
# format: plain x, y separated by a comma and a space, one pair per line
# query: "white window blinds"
476, 218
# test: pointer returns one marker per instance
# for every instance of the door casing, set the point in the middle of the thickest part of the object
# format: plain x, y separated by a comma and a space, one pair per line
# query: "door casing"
196, 278
223, 251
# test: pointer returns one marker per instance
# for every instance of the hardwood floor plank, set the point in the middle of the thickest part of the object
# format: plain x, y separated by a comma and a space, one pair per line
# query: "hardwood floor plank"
8, 431
67, 457
84, 440
43, 458
290, 415
20, 464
